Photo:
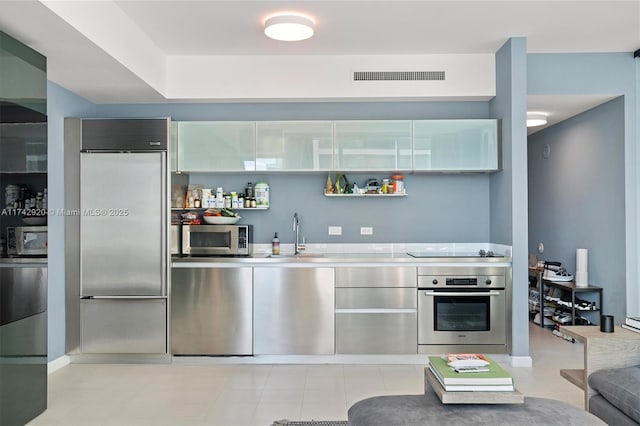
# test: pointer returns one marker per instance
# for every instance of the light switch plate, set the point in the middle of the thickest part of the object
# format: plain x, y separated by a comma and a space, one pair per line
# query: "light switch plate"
366, 230
335, 230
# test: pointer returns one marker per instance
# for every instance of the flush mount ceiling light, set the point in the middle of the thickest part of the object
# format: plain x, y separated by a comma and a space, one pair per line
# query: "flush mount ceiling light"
536, 119
289, 27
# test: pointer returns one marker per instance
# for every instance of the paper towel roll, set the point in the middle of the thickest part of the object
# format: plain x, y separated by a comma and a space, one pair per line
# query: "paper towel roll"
582, 264
582, 279
582, 259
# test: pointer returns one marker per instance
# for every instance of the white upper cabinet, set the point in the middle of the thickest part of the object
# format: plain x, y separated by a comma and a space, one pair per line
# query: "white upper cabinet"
456, 145
373, 145
440, 146
294, 145
216, 146
173, 147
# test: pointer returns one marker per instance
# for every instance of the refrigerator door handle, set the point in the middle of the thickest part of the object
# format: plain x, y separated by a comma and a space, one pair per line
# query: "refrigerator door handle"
164, 228
122, 297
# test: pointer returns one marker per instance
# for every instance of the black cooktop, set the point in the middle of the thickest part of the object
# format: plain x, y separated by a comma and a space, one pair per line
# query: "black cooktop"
434, 253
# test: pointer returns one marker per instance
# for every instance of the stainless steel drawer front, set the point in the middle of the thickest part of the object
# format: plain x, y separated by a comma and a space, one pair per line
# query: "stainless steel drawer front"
123, 326
376, 333
376, 277
383, 298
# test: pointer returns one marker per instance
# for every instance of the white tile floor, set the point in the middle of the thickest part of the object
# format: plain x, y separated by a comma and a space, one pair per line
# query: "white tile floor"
249, 394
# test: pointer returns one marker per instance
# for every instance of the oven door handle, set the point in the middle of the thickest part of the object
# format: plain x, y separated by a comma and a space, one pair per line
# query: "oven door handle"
462, 294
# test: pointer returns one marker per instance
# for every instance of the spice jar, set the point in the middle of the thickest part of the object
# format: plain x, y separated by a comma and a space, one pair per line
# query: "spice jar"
398, 184
384, 188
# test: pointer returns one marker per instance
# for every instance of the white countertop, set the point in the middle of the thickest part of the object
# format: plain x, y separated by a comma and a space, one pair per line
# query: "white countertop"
358, 255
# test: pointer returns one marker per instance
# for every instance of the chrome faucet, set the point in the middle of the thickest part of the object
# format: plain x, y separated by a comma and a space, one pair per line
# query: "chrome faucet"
297, 247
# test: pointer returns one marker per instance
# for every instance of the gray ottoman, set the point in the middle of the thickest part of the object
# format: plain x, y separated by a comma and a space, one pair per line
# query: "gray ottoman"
397, 410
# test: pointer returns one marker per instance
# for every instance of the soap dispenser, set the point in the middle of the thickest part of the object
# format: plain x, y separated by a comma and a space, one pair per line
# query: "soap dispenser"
275, 245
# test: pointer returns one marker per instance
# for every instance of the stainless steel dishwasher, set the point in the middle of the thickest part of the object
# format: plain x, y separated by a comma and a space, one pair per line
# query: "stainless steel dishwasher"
293, 311
376, 310
211, 311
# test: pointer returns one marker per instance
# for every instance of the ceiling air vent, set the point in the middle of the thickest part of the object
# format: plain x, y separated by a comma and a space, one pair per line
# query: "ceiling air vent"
398, 75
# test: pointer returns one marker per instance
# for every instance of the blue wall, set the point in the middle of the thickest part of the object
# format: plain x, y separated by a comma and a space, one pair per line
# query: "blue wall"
508, 189
576, 197
613, 74
61, 103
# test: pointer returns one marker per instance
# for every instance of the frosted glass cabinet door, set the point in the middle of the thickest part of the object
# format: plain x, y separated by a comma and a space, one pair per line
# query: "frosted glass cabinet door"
213, 146
173, 147
294, 145
455, 145
23, 147
373, 145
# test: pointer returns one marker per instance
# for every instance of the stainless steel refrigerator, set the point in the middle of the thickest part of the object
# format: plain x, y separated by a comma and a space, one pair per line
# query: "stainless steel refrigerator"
123, 236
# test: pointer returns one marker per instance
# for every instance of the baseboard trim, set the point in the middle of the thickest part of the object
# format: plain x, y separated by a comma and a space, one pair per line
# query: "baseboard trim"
521, 361
515, 361
58, 363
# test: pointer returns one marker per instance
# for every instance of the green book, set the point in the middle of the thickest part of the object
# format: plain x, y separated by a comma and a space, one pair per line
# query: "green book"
448, 376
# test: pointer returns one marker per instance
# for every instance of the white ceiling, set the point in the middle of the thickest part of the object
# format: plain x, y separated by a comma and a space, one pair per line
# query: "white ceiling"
115, 51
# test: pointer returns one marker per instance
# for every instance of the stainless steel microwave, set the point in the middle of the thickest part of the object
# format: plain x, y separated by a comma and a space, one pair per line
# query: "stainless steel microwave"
216, 240
27, 241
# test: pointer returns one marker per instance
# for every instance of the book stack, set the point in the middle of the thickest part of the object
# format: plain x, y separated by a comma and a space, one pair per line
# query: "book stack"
632, 323
470, 372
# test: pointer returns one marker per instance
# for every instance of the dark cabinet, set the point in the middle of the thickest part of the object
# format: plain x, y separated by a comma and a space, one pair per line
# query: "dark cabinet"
23, 160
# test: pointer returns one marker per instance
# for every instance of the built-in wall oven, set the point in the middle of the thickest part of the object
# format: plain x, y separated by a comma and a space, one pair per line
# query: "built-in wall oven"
459, 307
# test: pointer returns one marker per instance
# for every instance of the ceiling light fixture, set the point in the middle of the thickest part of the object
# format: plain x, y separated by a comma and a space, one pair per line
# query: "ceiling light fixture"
536, 119
289, 27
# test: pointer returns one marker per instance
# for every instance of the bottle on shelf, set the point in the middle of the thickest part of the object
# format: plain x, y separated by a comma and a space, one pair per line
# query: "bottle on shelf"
219, 197
275, 245
261, 191
248, 190
397, 184
328, 188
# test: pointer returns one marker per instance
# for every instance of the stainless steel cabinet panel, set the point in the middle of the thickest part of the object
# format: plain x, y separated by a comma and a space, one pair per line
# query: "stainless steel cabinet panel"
23, 293
376, 277
123, 224
125, 134
211, 311
379, 298
376, 333
123, 326
293, 311
23, 344
376, 310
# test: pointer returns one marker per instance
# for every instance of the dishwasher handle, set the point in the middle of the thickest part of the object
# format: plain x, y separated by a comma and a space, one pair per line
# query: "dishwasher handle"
121, 297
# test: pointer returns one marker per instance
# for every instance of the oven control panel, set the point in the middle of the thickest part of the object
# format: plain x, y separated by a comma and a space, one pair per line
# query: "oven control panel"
444, 281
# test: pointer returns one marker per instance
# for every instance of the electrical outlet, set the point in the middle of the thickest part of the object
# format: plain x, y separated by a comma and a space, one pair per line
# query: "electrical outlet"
366, 230
540, 248
335, 230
